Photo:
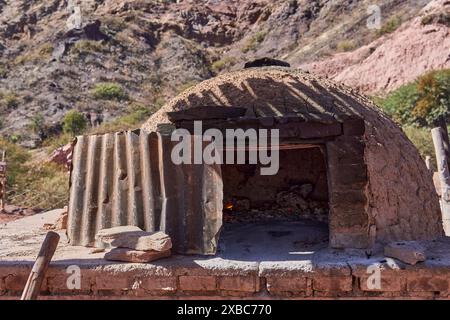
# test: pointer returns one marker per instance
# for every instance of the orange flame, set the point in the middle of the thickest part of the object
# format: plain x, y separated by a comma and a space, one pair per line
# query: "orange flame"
229, 206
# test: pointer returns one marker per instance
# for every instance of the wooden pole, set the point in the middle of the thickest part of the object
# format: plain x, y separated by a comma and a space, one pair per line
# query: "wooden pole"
444, 176
37, 275
445, 139
428, 163
3, 182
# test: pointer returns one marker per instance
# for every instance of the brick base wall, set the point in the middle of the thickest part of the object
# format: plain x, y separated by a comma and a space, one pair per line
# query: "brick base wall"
139, 282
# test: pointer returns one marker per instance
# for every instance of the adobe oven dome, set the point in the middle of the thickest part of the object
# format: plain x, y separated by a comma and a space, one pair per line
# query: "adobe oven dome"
401, 200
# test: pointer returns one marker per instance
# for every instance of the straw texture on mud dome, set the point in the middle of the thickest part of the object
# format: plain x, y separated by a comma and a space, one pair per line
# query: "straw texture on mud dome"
401, 200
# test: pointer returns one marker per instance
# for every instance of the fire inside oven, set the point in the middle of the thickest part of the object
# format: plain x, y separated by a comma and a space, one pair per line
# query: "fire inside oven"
296, 194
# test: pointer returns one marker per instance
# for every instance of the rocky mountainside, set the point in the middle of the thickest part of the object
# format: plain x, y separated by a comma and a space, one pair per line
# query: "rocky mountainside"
416, 47
105, 56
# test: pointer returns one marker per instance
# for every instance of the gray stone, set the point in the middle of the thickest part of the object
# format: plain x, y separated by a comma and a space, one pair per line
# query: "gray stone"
129, 255
145, 241
109, 235
409, 252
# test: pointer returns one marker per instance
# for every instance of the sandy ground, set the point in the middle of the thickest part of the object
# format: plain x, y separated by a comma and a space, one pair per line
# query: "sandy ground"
12, 213
21, 239
282, 240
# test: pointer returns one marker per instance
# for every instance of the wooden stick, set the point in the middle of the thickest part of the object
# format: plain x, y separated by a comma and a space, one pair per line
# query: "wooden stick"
428, 163
34, 283
445, 140
444, 176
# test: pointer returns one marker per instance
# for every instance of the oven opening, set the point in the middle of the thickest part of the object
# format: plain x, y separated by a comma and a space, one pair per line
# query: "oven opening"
276, 215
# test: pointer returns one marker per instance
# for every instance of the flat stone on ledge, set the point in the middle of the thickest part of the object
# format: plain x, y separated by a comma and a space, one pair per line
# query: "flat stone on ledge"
129, 255
109, 235
409, 252
143, 241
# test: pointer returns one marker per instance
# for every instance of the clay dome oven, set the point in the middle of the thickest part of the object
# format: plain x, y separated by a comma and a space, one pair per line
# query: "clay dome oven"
343, 163
378, 186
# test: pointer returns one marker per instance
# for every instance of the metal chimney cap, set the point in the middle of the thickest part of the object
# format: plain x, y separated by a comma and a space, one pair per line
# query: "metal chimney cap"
266, 62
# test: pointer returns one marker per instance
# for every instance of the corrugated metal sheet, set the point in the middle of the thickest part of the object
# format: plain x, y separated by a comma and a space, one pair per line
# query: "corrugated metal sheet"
128, 178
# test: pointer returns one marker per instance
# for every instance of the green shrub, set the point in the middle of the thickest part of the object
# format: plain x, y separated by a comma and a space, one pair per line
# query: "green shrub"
398, 104
390, 25
56, 141
10, 100
222, 64
109, 91
421, 138
38, 126
134, 118
74, 123
422, 102
433, 101
252, 43
3, 72
441, 18
16, 156
188, 84
35, 186
427, 19
44, 52
345, 46
88, 47
137, 113
44, 186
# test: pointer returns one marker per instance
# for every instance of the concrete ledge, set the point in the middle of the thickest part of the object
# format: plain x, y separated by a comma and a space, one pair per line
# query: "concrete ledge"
186, 277
320, 273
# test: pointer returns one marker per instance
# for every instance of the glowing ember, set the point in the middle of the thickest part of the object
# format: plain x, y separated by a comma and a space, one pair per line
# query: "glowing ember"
229, 206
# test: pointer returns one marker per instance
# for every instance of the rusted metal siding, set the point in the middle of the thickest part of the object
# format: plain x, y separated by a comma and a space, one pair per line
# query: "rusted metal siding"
129, 179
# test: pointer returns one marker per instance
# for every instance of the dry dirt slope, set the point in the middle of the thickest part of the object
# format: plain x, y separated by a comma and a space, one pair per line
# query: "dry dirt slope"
419, 45
155, 49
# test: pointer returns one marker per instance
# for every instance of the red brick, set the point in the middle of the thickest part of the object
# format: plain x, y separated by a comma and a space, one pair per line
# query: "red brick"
233, 283
333, 284
236, 294
388, 284
166, 284
16, 282
428, 283
198, 283
420, 295
108, 282
2, 285
276, 285
58, 282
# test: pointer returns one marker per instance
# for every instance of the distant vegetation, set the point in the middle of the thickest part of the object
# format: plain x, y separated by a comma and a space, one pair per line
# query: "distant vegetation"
222, 64
253, 41
33, 185
442, 18
389, 26
8, 101
109, 91
133, 119
74, 123
84, 47
418, 107
422, 102
36, 184
345, 46
42, 53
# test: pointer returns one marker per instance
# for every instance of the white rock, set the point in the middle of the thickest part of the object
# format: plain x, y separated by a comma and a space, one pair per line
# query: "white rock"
409, 252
